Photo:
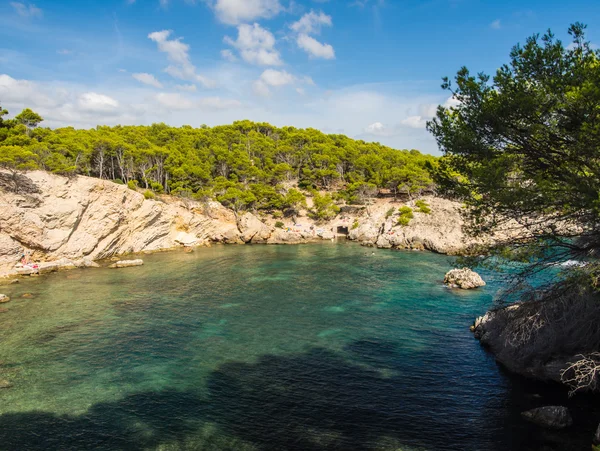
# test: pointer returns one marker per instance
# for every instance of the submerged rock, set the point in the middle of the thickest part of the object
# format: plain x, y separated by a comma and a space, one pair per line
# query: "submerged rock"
4, 298
551, 417
5, 384
464, 278
127, 263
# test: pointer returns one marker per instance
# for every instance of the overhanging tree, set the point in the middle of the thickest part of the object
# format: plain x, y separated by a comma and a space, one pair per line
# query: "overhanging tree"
522, 150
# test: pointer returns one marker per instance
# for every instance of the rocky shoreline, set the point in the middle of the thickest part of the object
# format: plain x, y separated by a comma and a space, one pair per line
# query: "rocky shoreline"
66, 222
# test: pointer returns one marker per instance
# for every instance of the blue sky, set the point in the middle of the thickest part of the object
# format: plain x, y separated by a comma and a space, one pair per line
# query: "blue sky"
370, 69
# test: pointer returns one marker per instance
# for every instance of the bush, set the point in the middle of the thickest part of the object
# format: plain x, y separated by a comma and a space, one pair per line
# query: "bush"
277, 214
132, 184
118, 182
390, 212
156, 187
355, 224
406, 214
423, 206
149, 194
279, 225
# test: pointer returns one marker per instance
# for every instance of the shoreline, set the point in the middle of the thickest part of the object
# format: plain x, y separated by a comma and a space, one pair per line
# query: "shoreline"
74, 222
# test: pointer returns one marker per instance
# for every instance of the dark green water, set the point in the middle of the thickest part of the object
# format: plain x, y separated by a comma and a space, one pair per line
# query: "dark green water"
261, 347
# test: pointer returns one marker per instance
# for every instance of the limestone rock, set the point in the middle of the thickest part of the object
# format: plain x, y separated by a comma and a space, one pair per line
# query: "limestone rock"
127, 263
186, 239
4, 298
253, 230
464, 278
3, 310
551, 417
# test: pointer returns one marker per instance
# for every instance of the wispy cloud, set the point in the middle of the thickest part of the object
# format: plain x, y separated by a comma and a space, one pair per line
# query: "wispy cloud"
178, 53
147, 79
496, 25
26, 9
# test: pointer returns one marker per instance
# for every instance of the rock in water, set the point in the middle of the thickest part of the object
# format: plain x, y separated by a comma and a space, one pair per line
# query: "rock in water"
5, 384
551, 417
127, 263
596, 441
463, 278
4, 298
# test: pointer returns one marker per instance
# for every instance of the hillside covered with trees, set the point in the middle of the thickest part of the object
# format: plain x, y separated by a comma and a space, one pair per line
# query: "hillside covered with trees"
245, 165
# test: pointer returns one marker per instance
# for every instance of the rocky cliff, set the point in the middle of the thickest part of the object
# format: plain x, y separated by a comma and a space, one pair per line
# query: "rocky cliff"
81, 219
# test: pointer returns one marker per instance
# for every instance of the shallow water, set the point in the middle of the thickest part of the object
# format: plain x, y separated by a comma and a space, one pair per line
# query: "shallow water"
263, 347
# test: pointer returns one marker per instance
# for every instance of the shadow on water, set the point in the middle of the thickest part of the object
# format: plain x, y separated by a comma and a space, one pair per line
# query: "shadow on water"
316, 400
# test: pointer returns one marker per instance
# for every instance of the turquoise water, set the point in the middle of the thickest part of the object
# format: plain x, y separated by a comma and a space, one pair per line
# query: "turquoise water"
329, 346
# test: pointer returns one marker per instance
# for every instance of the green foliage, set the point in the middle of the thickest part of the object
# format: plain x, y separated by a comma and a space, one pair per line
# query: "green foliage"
423, 206
355, 224
323, 207
118, 182
406, 214
390, 213
132, 184
28, 118
279, 224
212, 163
149, 194
523, 146
277, 215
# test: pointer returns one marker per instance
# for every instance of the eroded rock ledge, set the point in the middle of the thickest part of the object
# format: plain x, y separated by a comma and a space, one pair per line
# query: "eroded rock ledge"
81, 219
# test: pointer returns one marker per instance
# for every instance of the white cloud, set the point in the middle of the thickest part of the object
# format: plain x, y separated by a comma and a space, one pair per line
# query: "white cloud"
375, 128
234, 12
311, 23
26, 9
228, 55
414, 122
272, 78
94, 102
256, 45
25, 93
178, 53
187, 88
496, 24
174, 101
147, 79
64, 52
315, 48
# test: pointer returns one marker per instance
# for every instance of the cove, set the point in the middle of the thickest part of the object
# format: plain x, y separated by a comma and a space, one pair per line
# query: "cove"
325, 346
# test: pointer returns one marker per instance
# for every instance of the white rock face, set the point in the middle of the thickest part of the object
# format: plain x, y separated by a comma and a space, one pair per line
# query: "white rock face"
127, 263
253, 230
86, 218
463, 278
440, 231
73, 221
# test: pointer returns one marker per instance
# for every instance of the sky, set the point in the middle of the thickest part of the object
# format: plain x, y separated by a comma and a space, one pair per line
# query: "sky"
370, 69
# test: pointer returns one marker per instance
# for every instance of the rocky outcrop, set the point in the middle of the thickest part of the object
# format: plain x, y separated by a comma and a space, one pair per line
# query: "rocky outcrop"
464, 278
551, 417
66, 222
440, 230
127, 263
82, 219
4, 298
252, 229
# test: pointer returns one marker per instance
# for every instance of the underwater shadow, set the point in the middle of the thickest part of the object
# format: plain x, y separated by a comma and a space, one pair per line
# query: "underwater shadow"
360, 398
